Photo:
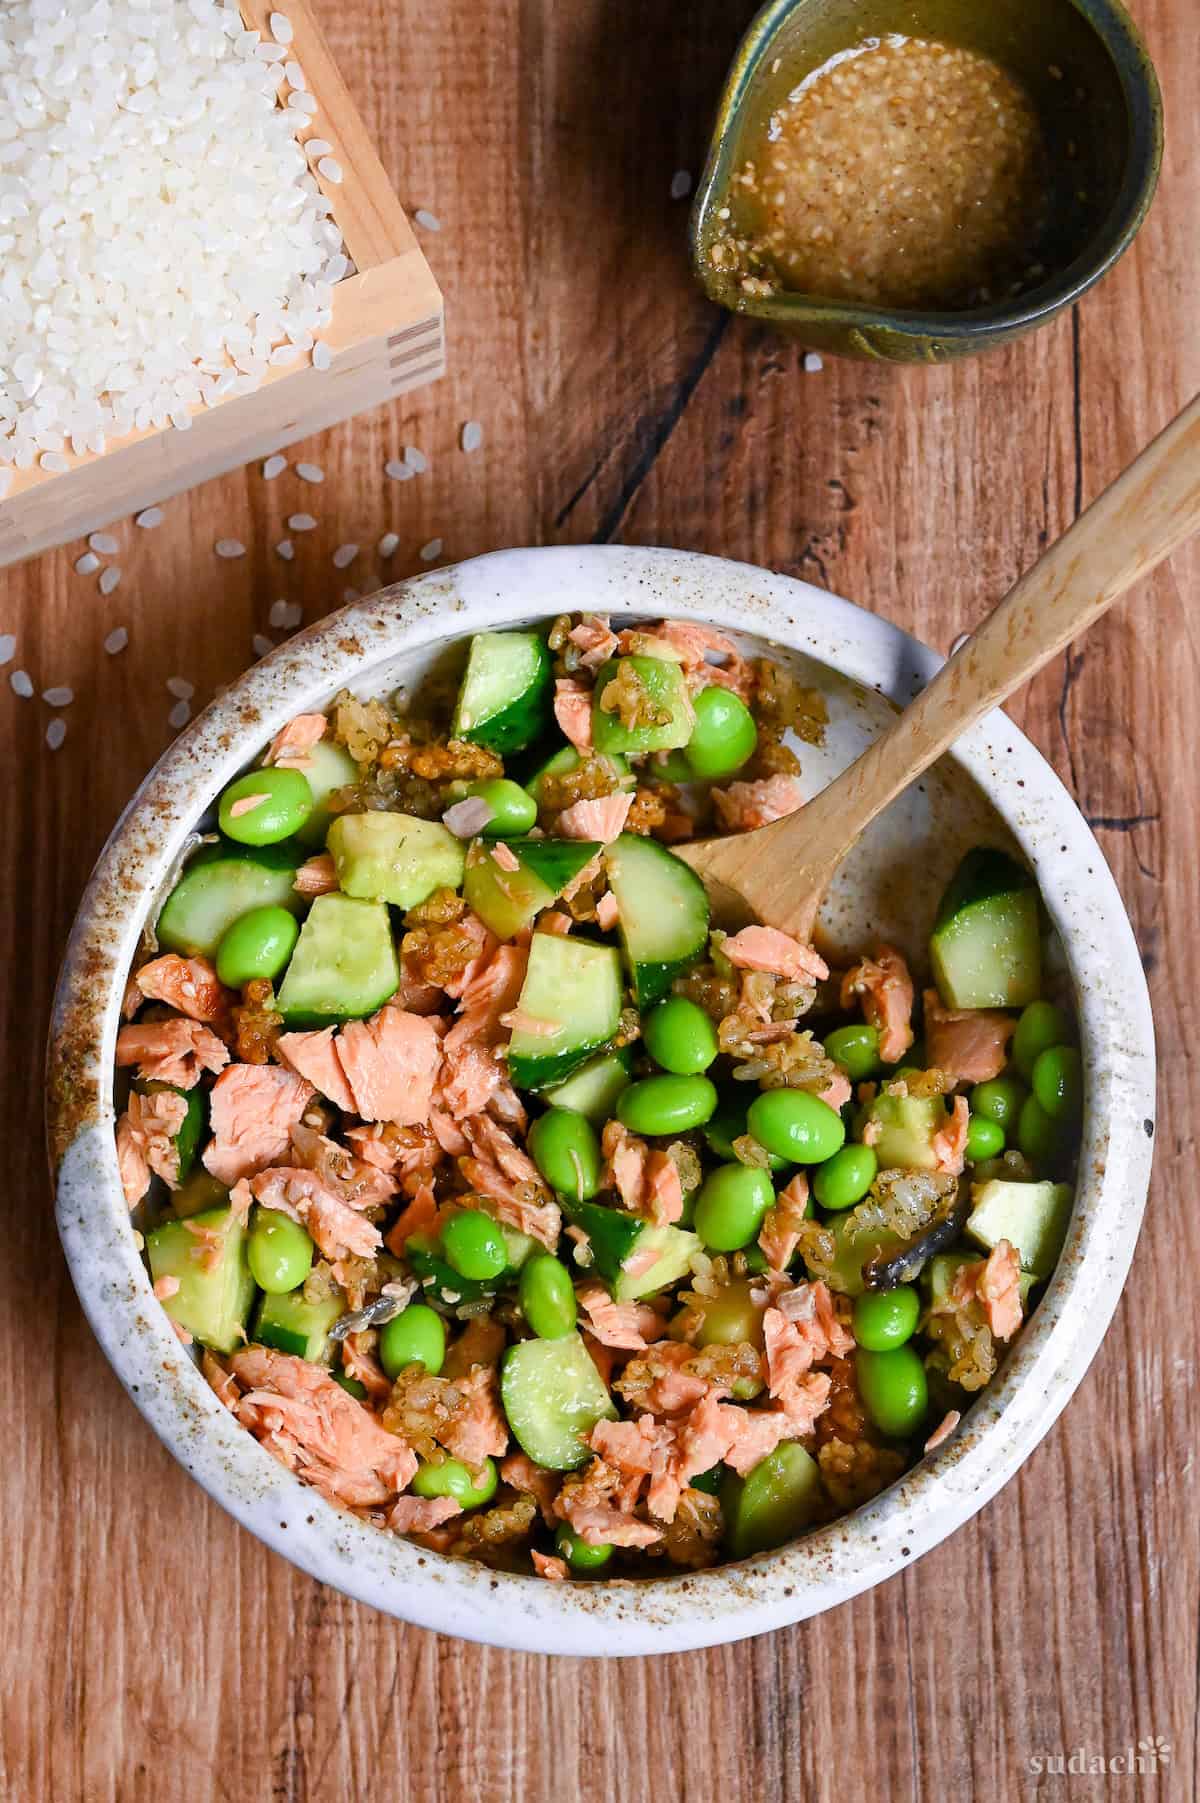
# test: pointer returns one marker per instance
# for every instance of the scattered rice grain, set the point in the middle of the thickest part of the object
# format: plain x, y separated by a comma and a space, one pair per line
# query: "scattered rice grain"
56, 732
398, 471
317, 147
344, 556
285, 549
54, 463
428, 221
301, 522
471, 436
302, 102
110, 579
149, 517
179, 715
322, 356
389, 544
310, 472
681, 184
281, 28
261, 644
274, 466
180, 687
61, 696
430, 552
116, 641
104, 543
415, 459
21, 684
8, 646
331, 169
813, 362
229, 547
87, 565
294, 75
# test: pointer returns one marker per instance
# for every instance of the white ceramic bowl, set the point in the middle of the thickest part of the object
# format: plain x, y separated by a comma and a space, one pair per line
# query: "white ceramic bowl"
994, 786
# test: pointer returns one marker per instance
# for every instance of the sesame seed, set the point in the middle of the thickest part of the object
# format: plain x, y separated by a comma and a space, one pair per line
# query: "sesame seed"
58, 697
229, 547
274, 466
85, 565
109, 579
285, 549
21, 684
471, 436
430, 552
56, 732
301, 522
428, 221
310, 472
8, 646
389, 544
116, 641
105, 543
344, 556
180, 687
149, 517
179, 715
399, 472
415, 459
681, 184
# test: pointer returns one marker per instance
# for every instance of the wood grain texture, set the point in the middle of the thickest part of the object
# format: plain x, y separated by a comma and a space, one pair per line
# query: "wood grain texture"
151, 1650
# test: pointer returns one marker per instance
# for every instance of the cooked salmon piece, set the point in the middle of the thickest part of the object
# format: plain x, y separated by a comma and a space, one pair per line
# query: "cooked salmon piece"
837, 1092
602, 819
813, 1309
487, 943
252, 1110
883, 985
132, 999
478, 1430
316, 1429
664, 1189
189, 984
468, 817
519, 1470
607, 912
766, 948
355, 1181
337, 1230
314, 1057
291, 746
625, 1326
391, 1064
639, 1449
943, 1430
472, 1071
421, 1514
419, 1217
743, 806
573, 711
360, 1362
415, 1157
998, 1286
799, 1331
552, 920
780, 1232
503, 1175
146, 1142
599, 1505
548, 1565
968, 1045
172, 1051
594, 639
317, 876
698, 646
754, 1435
950, 1144
219, 1380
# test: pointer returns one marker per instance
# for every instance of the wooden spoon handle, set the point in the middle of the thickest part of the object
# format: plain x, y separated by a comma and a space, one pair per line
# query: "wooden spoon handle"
1149, 510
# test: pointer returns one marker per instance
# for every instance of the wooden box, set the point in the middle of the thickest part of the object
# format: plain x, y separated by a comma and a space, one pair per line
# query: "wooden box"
386, 336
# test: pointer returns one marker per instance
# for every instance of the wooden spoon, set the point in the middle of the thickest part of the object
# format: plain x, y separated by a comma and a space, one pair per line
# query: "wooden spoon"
778, 874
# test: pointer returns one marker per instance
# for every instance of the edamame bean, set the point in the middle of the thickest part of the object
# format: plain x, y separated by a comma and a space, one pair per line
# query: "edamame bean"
417, 1336
985, 1139
265, 806
577, 1553
1058, 1082
730, 1207
796, 1125
885, 1319
1041, 1025
257, 946
566, 1151
452, 1478
1039, 1136
671, 767
279, 1252
724, 736
728, 1124
547, 1296
514, 810
679, 1035
474, 1246
999, 1101
845, 1178
856, 1049
666, 1104
894, 1389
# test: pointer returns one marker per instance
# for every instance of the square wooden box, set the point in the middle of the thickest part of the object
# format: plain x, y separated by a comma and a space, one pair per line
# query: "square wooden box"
386, 336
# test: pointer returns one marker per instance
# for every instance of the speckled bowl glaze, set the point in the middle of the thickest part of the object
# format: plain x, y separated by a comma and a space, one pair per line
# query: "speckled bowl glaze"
995, 784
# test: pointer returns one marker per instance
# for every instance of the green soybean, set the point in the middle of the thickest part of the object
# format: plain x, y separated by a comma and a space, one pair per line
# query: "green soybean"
728, 1124
856, 1049
1058, 1082
885, 1319
1041, 1025
474, 1245
666, 1104
547, 1296
577, 1553
724, 736
257, 946
894, 1390
274, 804
999, 1101
795, 1125
845, 1178
279, 1252
985, 1139
514, 810
469, 1489
679, 1035
1039, 1135
415, 1337
730, 1207
567, 1153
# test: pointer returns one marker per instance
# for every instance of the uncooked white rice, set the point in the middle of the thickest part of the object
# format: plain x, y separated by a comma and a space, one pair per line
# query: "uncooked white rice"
398, 471
294, 75
116, 641
179, 715
54, 463
278, 614
429, 221
261, 644
148, 518
318, 147
60, 696
432, 551
274, 466
87, 565
8, 647
344, 556
331, 169
180, 687
281, 28
322, 356
229, 547
56, 732
310, 472
389, 544
471, 436
300, 101
301, 522
104, 543
285, 549
22, 684
415, 459
813, 361
681, 184
109, 579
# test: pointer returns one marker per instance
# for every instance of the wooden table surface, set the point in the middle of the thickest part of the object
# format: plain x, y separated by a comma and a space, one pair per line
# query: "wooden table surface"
149, 1648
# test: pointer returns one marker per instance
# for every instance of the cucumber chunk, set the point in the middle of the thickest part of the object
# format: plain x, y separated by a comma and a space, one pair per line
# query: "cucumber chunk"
394, 857
663, 913
771, 1504
567, 759
986, 945
508, 901
593, 1089
214, 1296
939, 1274
616, 1237
665, 687
329, 767
553, 1395
907, 1126
504, 703
575, 987
291, 1324
344, 965
214, 892
1032, 1217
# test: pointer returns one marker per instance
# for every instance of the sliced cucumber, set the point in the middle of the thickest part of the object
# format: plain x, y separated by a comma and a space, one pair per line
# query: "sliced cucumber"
291, 1324
907, 1127
329, 767
508, 901
1032, 1217
344, 965
665, 686
616, 1238
575, 987
663, 913
215, 1293
593, 1089
986, 945
553, 1395
504, 703
213, 892
394, 857
773, 1503
567, 759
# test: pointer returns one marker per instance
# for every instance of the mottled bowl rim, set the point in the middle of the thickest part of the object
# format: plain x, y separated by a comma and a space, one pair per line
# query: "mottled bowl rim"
457, 1597
1117, 31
